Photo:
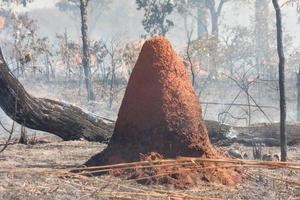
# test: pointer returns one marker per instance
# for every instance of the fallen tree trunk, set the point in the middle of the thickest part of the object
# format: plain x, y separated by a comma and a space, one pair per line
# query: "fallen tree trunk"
268, 134
61, 119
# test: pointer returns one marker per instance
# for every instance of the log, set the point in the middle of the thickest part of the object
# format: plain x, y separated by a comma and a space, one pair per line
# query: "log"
61, 119
266, 133
270, 133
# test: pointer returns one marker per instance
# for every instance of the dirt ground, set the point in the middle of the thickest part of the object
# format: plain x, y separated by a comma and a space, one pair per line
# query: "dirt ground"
33, 172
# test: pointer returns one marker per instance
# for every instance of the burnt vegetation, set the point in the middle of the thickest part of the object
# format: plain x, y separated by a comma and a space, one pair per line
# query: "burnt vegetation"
189, 98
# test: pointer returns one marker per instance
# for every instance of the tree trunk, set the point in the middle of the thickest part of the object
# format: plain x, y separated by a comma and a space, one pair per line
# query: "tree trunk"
262, 46
47, 67
23, 137
215, 24
298, 95
214, 15
85, 50
67, 56
24, 2
261, 35
201, 20
61, 119
283, 137
112, 84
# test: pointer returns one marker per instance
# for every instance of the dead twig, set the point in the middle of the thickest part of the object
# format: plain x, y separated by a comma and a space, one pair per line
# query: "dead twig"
10, 132
9, 138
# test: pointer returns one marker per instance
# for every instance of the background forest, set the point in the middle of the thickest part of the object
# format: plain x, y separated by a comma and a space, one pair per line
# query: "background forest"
228, 47
65, 66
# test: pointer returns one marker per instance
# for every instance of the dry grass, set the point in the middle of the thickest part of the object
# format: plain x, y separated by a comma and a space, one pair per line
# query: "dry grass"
42, 171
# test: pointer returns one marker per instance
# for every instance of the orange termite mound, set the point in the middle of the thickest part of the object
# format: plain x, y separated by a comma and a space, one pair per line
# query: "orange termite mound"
160, 117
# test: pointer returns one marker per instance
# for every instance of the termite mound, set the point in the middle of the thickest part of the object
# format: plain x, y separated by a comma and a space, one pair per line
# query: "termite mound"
160, 117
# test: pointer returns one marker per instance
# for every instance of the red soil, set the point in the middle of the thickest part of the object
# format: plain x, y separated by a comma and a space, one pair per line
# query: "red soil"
161, 113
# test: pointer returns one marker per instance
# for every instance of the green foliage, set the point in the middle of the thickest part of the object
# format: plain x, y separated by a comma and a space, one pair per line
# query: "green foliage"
155, 20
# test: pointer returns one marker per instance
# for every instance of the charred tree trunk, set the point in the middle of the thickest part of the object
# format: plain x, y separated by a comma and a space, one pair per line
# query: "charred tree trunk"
85, 50
63, 120
283, 137
23, 137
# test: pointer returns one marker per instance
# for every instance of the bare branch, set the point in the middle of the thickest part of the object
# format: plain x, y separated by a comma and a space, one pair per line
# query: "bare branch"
9, 137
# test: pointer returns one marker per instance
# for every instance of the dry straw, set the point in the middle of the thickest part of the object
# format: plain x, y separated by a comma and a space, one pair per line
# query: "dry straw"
185, 164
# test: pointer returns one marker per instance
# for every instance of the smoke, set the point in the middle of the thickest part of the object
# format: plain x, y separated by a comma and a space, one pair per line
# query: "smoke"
2, 22
232, 134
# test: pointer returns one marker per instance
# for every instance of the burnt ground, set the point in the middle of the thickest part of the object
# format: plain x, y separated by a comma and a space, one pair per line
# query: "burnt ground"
30, 172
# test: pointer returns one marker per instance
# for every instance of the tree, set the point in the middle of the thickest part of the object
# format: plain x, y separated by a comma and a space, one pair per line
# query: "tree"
73, 5
83, 6
61, 119
155, 20
262, 47
215, 9
261, 35
215, 12
26, 47
94, 9
201, 19
85, 50
187, 9
283, 137
115, 61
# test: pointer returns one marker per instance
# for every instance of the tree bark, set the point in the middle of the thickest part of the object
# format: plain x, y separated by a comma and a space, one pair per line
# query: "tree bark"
283, 137
298, 95
85, 50
262, 47
215, 24
60, 119
23, 137
215, 13
261, 36
201, 20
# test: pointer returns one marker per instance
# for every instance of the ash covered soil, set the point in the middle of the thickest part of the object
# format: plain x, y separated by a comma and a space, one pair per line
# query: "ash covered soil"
33, 172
